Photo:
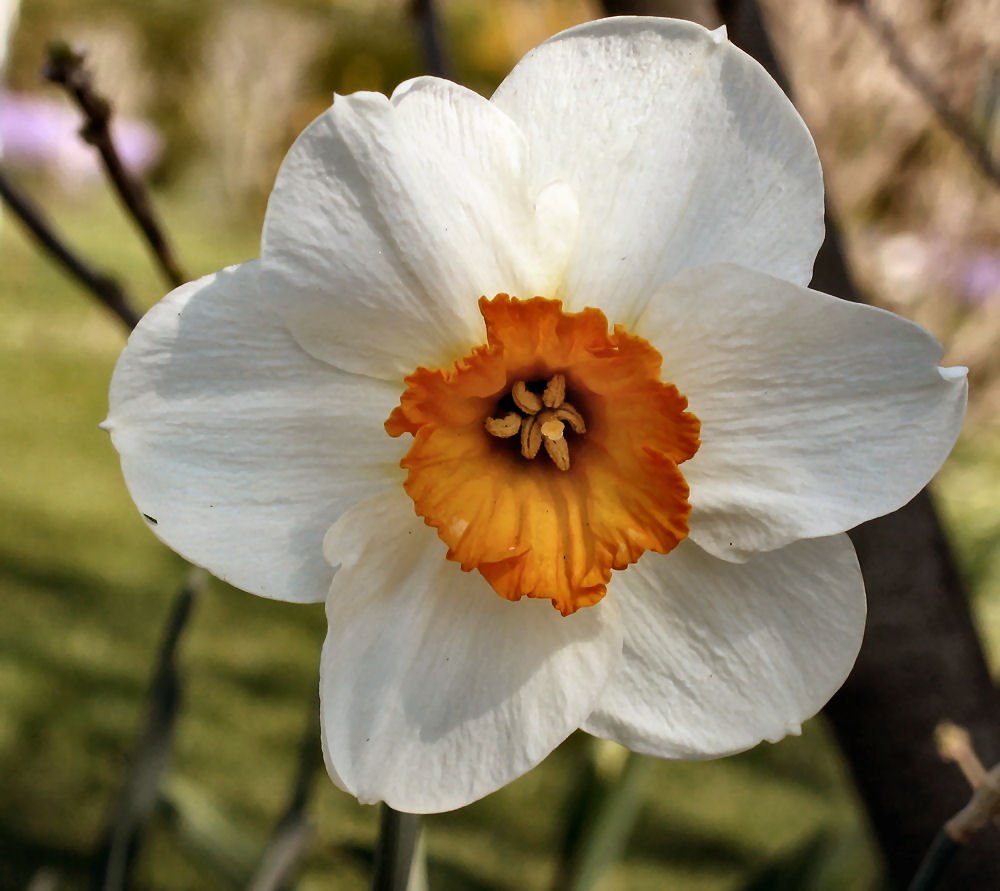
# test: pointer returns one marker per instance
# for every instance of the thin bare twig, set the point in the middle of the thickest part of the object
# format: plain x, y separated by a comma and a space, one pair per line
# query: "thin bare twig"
957, 125
106, 289
983, 808
65, 67
954, 743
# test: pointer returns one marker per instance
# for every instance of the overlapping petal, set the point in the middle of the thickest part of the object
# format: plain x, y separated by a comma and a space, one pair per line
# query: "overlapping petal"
680, 149
390, 218
434, 690
817, 414
239, 448
718, 655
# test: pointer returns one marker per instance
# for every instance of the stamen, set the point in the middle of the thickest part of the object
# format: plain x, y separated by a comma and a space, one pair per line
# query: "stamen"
524, 399
553, 427
543, 422
555, 443
558, 451
504, 427
531, 436
571, 416
555, 391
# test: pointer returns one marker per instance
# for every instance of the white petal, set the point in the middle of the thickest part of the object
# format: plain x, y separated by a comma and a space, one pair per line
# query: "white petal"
719, 656
393, 218
817, 414
435, 691
681, 151
241, 449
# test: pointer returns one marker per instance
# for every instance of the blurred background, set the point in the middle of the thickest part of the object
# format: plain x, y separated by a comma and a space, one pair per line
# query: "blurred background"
209, 94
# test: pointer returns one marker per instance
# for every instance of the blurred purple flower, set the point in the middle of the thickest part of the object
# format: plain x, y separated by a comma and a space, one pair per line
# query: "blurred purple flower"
40, 132
979, 280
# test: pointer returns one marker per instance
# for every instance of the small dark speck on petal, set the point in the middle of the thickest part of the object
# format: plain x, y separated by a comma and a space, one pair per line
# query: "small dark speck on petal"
150, 519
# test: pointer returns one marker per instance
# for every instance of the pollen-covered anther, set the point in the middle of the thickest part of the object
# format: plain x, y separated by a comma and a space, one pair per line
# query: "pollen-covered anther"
543, 422
555, 443
555, 391
504, 427
552, 428
531, 436
571, 416
524, 399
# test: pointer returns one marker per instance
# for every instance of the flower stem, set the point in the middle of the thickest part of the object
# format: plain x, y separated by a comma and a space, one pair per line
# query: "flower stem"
140, 788
939, 855
428, 26
293, 831
394, 853
603, 812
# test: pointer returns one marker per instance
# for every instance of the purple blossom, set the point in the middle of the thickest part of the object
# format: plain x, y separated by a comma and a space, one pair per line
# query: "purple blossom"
979, 278
42, 132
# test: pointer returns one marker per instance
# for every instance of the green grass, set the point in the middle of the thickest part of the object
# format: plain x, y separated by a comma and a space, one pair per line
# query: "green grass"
86, 589
968, 497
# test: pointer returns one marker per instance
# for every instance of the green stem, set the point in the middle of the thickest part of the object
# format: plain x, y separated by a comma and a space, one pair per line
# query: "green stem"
397, 841
935, 862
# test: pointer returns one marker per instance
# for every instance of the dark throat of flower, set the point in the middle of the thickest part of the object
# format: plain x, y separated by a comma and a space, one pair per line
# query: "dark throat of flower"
539, 414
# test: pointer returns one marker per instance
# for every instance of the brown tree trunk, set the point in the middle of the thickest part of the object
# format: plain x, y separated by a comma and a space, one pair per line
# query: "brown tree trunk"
921, 661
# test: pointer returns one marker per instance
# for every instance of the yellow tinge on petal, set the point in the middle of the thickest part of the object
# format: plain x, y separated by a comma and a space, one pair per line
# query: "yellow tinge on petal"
548, 456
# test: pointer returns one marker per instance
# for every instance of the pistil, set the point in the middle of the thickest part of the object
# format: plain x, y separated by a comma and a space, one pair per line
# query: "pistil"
540, 420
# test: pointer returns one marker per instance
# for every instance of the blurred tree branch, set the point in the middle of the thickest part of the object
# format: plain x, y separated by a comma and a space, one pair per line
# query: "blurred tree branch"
921, 660
957, 125
103, 287
65, 67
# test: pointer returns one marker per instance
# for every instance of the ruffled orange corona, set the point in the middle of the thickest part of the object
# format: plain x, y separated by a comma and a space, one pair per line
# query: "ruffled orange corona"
548, 457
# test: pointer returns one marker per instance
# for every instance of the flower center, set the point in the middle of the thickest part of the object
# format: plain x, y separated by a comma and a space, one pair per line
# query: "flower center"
540, 419
608, 488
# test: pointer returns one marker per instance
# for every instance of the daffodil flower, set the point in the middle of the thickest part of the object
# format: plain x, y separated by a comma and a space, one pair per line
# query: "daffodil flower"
531, 390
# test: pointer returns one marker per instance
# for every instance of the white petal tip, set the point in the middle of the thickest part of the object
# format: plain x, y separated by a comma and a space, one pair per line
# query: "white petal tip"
791, 730
720, 34
105, 425
954, 373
